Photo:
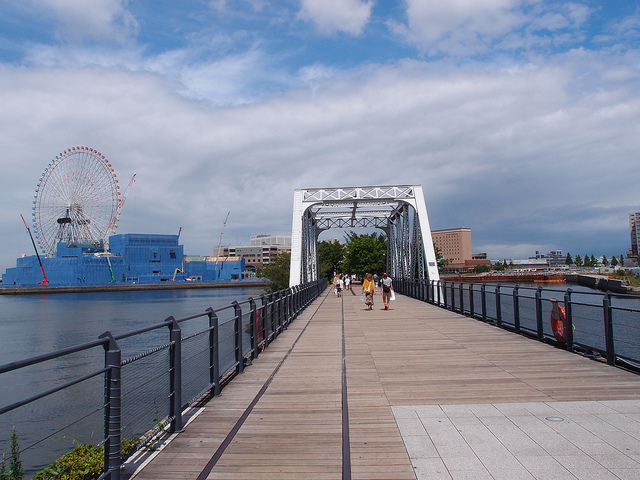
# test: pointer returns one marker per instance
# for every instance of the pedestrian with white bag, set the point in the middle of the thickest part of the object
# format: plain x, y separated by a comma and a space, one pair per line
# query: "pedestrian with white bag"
387, 290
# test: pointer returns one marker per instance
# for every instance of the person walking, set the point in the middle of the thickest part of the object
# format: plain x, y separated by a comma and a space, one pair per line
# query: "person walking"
387, 288
368, 289
337, 284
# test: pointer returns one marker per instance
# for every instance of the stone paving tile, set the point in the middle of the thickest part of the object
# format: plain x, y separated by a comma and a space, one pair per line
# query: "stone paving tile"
626, 474
430, 469
593, 440
420, 446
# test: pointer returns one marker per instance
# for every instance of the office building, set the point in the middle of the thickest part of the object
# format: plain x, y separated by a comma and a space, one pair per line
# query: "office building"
455, 247
634, 228
260, 252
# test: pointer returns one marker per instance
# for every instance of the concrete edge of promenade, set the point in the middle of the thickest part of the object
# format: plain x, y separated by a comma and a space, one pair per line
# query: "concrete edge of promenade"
7, 290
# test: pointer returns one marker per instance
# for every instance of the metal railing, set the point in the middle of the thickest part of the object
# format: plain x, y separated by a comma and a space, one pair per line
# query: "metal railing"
148, 374
599, 324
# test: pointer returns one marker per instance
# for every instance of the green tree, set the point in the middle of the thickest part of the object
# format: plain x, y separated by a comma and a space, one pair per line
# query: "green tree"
16, 472
578, 260
330, 256
614, 261
594, 262
605, 262
365, 253
277, 272
481, 268
569, 260
621, 259
586, 261
442, 262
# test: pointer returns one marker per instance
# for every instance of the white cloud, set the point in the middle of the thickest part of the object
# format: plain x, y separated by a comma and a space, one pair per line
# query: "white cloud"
332, 16
455, 24
225, 80
463, 27
96, 19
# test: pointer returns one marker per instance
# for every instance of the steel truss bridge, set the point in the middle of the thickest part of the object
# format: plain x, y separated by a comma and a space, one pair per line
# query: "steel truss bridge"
398, 210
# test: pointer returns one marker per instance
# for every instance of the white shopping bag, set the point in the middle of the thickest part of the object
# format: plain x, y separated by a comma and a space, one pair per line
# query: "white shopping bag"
393, 295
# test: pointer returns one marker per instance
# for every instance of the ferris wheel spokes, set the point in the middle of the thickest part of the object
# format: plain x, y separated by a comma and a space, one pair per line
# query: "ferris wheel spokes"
76, 201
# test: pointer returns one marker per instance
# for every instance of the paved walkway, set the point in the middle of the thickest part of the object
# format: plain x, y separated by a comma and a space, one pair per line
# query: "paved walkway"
416, 392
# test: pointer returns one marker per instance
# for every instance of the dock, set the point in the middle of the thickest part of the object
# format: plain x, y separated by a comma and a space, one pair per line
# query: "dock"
414, 392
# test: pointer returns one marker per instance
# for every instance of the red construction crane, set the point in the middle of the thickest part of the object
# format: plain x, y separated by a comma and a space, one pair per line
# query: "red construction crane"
45, 281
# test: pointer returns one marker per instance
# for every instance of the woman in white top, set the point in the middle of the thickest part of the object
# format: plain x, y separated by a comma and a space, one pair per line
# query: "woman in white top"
387, 287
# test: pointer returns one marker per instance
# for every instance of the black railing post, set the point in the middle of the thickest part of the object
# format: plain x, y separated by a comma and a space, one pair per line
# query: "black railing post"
498, 307
238, 331
516, 309
214, 351
113, 410
175, 378
279, 311
453, 297
444, 294
471, 300
254, 328
608, 328
265, 323
569, 314
539, 328
483, 299
272, 314
291, 314
461, 298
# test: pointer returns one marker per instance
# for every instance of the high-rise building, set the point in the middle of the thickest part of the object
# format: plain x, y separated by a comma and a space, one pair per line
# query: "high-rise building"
454, 244
634, 227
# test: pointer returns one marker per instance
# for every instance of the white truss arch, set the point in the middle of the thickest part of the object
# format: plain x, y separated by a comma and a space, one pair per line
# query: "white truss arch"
398, 210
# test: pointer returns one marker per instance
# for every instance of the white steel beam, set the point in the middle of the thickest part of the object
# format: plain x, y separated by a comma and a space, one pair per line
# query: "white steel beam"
384, 207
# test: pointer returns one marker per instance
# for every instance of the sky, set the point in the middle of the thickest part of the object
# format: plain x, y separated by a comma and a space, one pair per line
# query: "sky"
519, 118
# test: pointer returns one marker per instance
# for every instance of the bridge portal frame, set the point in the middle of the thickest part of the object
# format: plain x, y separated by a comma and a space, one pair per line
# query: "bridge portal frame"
398, 210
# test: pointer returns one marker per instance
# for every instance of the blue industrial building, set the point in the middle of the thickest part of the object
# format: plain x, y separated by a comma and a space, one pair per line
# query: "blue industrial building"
131, 259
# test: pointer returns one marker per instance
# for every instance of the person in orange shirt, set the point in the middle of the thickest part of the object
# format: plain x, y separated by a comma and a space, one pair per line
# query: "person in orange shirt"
368, 289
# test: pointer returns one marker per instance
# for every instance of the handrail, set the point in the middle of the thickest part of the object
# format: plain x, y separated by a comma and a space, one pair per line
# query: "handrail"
463, 300
255, 324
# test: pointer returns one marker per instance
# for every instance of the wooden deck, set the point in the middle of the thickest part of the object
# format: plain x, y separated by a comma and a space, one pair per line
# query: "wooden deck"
413, 354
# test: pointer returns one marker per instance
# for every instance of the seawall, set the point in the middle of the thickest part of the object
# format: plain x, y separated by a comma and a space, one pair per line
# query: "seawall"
126, 288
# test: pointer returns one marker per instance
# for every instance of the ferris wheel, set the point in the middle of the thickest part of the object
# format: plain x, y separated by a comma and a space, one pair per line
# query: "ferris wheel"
77, 200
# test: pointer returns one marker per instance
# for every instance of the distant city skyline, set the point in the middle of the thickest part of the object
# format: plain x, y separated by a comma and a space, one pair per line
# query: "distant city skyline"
519, 118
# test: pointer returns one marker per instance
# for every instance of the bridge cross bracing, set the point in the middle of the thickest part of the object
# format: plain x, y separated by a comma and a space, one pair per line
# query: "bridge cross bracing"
398, 210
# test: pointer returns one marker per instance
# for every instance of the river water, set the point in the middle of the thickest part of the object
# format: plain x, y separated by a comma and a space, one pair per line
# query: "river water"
36, 324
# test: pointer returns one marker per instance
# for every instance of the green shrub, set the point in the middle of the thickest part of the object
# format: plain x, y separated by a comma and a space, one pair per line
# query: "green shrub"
85, 462
16, 471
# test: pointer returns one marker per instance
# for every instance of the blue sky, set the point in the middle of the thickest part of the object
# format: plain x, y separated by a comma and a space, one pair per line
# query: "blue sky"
520, 118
